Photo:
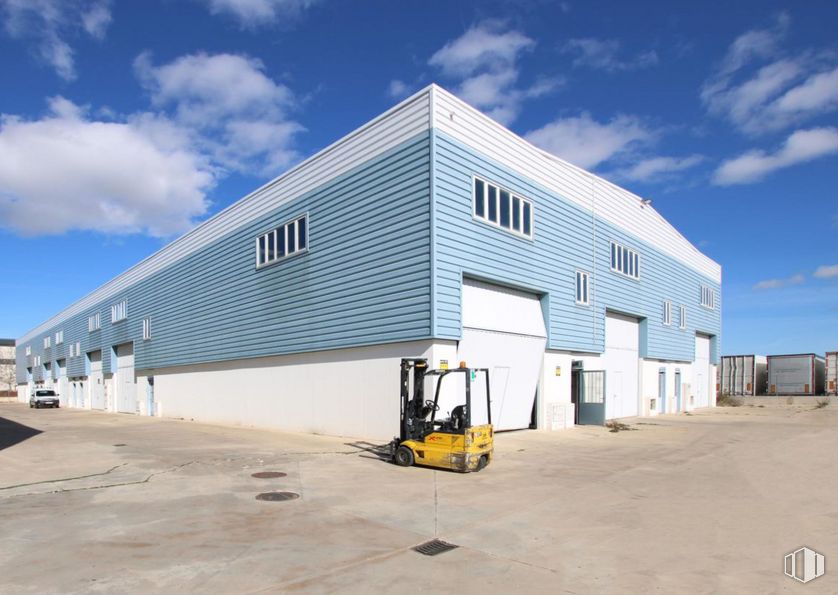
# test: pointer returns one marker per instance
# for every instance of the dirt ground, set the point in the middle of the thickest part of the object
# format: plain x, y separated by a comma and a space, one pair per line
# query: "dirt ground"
702, 503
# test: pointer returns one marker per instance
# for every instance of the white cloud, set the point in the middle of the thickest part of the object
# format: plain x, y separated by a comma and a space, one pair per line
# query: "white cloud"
68, 172
97, 19
398, 89
146, 172
232, 107
801, 146
485, 62
48, 22
657, 168
827, 271
252, 13
603, 54
586, 143
818, 93
761, 88
483, 46
780, 283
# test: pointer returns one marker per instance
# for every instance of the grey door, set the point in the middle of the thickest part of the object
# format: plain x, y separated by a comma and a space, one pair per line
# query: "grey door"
592, 397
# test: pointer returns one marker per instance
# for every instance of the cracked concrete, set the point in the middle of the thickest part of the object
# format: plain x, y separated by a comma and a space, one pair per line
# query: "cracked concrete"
706, 503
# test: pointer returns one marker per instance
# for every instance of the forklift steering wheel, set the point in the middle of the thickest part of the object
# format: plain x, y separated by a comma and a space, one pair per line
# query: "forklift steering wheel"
434, 407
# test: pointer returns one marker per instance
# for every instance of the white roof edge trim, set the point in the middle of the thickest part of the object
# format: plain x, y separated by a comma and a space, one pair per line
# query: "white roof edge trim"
486, 120
107, 289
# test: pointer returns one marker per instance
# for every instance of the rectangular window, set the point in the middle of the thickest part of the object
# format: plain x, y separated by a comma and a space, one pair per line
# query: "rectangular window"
625, 261
47, 342
78, 348
287, 239
146, 329
682, 317
119, 311
59, 337
582, 288
708, 297
502, 208
667, 312
94, 322
28, 350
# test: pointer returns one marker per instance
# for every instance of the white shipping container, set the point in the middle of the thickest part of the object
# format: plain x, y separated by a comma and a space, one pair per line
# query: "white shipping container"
832, 373
798, 374
743, 375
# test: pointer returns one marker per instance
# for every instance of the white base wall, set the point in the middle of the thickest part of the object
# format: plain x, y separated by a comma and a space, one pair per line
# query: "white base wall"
649, 372
345, 392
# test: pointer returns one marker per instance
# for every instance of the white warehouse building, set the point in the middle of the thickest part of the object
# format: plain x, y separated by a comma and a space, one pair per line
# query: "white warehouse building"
431, 231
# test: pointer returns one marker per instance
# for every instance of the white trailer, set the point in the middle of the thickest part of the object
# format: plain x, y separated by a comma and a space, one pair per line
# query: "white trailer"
832, 373
743, 375
796, 374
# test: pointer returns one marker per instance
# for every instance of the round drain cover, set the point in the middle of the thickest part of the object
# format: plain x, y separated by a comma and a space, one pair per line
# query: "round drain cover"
278, 496
268, 474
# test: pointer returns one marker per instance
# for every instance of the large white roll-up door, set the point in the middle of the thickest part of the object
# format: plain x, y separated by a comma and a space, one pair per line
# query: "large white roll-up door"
621, 362
503, 330
126, 383
701, 372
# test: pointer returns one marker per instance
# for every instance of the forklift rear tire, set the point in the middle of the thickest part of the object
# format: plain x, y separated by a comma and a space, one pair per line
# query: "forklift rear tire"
404, 456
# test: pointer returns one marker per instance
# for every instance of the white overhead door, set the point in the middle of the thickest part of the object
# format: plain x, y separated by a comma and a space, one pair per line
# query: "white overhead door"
503, 330
701, 372
126, 383
96, 381
620, 361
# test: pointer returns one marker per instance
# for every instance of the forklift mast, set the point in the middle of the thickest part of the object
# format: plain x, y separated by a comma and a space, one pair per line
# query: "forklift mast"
413, 423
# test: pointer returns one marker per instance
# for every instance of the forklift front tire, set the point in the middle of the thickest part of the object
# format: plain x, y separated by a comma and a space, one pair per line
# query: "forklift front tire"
404, 456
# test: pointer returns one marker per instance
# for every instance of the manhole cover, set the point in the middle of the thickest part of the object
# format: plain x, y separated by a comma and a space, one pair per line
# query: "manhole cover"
268, 474
434, 547
278, 496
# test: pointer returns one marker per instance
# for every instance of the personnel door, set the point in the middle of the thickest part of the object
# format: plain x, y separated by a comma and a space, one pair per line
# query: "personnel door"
592, 397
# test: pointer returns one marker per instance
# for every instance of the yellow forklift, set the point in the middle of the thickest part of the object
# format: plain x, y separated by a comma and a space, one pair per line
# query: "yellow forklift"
448, 443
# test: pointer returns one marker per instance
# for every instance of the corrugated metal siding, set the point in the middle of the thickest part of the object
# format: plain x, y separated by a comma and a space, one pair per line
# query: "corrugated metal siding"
566, 238
365, 279
613, 204
396, 126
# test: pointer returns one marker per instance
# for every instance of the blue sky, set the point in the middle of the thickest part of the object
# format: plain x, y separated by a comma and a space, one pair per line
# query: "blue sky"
126, 123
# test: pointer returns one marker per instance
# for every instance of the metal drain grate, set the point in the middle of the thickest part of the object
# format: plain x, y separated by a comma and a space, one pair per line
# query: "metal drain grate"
277, 496
268, 474
434, 547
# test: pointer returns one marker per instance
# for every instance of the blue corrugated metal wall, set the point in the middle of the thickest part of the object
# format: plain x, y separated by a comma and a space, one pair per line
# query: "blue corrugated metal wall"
566, 238
367, 276
365, 280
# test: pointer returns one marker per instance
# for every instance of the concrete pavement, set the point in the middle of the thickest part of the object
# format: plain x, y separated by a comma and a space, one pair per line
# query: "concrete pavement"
701, 503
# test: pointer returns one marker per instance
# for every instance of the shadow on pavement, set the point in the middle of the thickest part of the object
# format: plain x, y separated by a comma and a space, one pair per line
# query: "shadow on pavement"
12, 433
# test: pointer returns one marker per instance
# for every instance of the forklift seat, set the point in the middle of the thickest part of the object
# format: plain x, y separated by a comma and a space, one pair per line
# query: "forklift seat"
458, 417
